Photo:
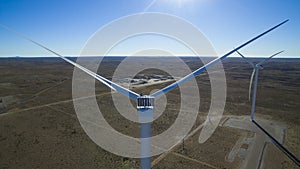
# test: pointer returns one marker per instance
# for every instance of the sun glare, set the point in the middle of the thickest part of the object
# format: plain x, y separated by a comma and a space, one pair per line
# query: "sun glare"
179, 3
173, 3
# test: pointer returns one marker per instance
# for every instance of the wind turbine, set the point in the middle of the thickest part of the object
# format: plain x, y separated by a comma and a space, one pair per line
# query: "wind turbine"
255, 72
256, 67
145, 103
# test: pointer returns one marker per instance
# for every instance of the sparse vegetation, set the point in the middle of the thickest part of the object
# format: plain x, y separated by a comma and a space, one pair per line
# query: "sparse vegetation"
39, 128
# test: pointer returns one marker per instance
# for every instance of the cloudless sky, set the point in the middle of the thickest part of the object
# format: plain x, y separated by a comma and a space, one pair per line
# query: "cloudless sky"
66, 25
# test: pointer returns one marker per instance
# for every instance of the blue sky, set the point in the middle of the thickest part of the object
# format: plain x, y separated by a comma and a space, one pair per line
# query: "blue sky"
66, 25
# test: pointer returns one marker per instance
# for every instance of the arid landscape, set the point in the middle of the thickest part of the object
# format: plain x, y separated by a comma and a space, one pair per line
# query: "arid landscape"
39, 126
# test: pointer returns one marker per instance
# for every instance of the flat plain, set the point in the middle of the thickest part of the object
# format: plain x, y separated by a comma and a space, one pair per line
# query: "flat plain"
39, 126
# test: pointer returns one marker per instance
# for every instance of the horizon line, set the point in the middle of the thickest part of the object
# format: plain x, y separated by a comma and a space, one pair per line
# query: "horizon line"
257, 57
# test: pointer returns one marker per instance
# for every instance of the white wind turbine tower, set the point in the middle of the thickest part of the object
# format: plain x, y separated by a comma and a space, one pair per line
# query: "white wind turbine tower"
145, 103
256, 67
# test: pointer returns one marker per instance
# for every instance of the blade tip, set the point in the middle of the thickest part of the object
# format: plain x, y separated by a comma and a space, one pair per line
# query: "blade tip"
285, 21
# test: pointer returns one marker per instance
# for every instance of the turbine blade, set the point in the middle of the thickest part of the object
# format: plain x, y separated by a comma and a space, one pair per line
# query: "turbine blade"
103, 80
250, 84
203, 68
246, 59
267, 59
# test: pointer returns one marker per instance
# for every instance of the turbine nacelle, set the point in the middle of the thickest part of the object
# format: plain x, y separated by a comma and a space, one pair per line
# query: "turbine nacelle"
257, 66
145, 102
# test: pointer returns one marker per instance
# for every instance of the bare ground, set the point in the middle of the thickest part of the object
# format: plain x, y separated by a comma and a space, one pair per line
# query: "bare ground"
39, 127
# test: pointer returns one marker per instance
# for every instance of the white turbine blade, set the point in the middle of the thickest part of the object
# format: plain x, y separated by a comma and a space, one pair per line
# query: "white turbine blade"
250, 84
264, 61
246, 59
203, 68
103, 80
